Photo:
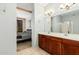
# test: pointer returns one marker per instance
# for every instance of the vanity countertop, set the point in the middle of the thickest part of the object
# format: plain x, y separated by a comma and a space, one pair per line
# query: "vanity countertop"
62, 35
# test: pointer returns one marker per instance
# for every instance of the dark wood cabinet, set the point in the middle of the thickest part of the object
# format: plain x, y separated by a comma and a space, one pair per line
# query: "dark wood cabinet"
54, 46
70, 47
58, 46
49, 44
43, 42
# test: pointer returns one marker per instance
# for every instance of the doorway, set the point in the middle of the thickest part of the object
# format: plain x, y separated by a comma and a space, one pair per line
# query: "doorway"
23, 35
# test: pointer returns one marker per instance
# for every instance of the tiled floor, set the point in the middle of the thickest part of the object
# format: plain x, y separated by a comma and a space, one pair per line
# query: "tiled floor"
23, 45
32, 51
25, 48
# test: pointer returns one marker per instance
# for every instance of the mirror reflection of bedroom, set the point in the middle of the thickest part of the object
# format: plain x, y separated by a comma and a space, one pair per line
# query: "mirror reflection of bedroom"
24, 31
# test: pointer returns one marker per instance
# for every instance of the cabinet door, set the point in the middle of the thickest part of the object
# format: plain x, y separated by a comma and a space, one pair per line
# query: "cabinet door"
43, 42
54, 46
70, 47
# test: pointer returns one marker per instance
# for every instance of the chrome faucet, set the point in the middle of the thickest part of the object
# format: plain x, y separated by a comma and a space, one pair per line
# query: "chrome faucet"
65, 34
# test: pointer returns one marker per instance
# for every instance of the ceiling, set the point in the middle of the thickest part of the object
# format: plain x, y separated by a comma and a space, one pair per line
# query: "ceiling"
28, 6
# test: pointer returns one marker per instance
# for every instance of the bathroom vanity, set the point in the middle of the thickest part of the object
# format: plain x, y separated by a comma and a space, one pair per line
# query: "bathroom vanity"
59, 44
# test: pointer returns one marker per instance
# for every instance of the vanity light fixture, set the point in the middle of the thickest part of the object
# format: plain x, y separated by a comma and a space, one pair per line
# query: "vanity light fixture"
49, 12
66, 6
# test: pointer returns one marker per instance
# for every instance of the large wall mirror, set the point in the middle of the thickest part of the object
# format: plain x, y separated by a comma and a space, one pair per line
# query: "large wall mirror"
66, 23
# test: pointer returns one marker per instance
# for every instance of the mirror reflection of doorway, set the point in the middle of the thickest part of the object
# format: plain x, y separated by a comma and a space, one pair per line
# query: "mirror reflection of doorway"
23, 35
19, 26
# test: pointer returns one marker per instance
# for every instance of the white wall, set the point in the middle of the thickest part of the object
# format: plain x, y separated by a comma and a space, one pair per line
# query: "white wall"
25, 15
37, 23
8, 30
56, 23
47, 24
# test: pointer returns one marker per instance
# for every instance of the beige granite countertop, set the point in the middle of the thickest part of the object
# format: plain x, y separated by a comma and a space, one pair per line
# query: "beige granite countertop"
62, 35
